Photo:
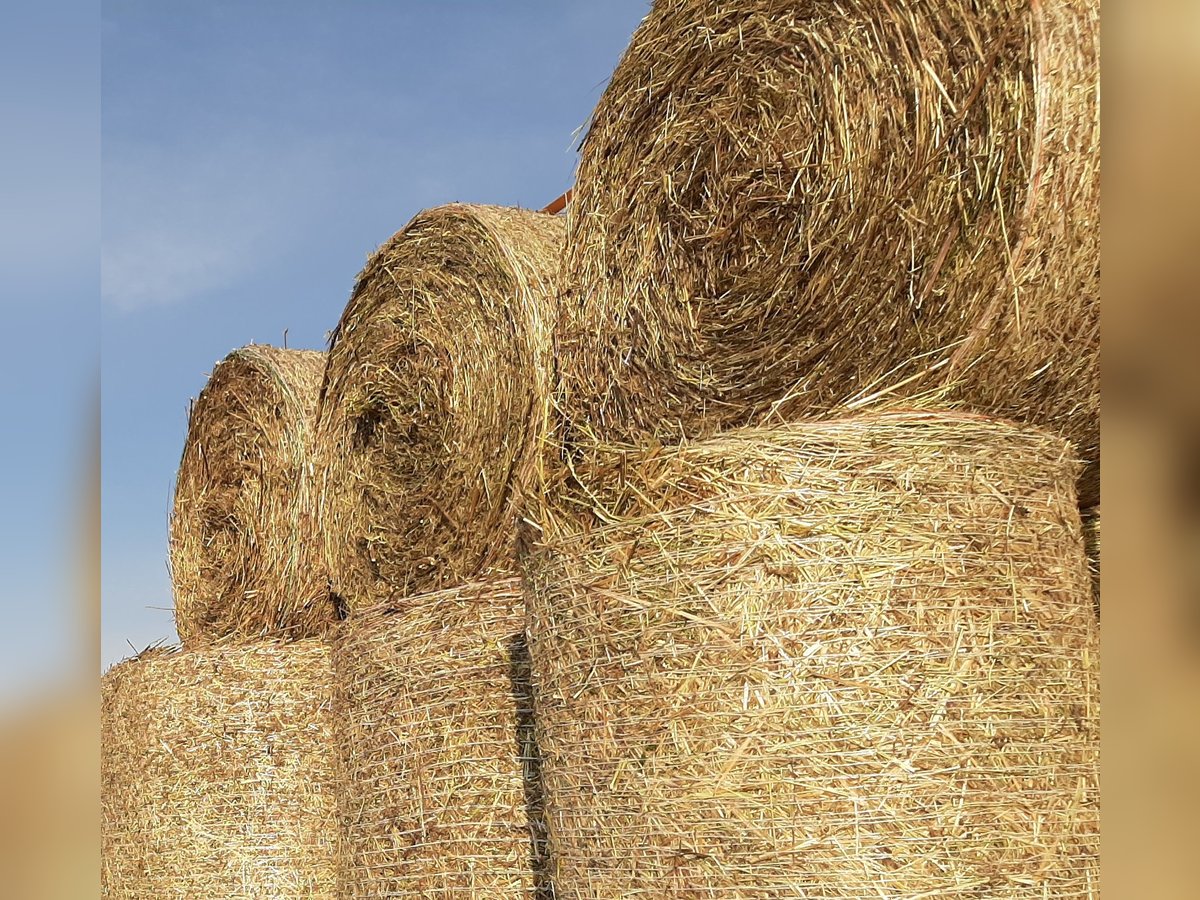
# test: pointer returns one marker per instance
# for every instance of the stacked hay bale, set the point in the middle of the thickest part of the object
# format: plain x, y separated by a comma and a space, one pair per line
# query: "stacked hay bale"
243, 547
439, 793
787, 209
432, 412
216, 774
843, 658
430, 425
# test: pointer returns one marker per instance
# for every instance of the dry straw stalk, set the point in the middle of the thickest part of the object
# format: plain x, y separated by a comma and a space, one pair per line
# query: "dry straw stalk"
439, 788
435, 400
217, 776
783, 209
844, 659
243, 551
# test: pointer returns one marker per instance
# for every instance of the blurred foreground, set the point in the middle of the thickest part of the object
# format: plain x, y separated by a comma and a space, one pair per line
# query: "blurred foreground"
1151, 448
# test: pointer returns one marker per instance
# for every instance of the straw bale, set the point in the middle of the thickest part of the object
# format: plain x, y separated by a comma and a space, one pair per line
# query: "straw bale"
1091, 539
786, 208
243, 555
846, 659
439, 788
217, 776
435, 401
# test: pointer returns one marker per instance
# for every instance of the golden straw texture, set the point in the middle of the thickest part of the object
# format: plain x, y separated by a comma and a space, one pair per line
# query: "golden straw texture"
787, 208
243, 550
845, 659
439, 790
435, 401
217, 776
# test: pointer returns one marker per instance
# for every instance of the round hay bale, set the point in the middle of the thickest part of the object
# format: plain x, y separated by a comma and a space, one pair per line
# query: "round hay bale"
843, 659
439, 795
435, 400
243, 555
217, 775
782, 209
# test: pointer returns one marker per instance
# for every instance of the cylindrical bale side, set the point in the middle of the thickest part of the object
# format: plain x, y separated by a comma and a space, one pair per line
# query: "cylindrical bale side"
244, 553
217, 774
433, 408
784, 209
439, 794
840, 659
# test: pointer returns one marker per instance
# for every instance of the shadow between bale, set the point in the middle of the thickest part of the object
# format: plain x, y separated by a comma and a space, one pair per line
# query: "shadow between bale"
521, 676
438, 791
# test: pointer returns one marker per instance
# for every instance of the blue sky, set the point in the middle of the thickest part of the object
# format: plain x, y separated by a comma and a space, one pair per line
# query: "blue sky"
254, 153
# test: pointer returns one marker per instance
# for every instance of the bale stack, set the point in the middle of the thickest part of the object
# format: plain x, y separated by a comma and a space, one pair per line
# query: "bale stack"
439, 791
842, 659
216, 774
435, 397
243, 549
786, 209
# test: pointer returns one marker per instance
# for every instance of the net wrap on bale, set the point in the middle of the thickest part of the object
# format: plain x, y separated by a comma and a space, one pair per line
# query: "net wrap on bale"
842, 659
244, 558
439, 790
435, 401
217, 776
784, 209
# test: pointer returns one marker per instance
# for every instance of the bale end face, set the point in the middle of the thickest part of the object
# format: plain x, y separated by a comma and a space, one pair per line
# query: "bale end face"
784, 209
242, 538
435, 401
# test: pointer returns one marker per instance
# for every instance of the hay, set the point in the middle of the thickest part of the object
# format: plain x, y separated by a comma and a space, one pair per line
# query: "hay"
216, 774
1091, 540
844, 659
782, 209
243, 556
432, 408
439, 788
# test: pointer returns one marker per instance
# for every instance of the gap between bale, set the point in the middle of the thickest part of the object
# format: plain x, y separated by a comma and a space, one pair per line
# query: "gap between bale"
242, 545
217, 774
435, 399
1091, 539
439, 793
848, 658
786, 209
